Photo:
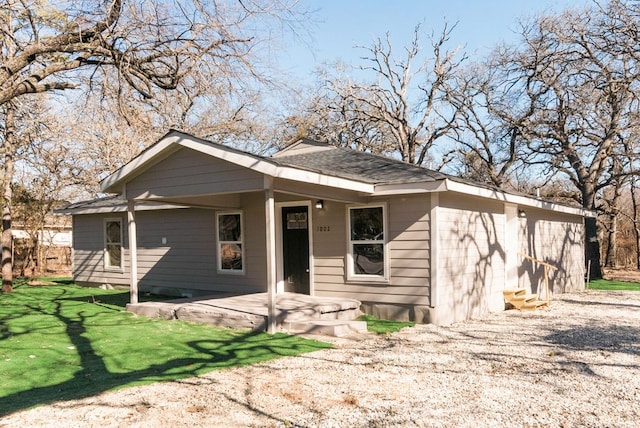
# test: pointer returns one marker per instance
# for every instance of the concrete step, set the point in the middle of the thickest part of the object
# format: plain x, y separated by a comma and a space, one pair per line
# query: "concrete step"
337, 328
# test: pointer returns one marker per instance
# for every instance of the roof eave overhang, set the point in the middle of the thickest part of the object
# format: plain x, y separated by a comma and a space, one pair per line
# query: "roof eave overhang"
520, 200
447, 184
410, 188
114, 182
117, 208
175, 139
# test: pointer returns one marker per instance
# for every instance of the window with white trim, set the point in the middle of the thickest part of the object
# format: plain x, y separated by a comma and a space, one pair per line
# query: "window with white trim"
367, 247
230, 242
113, 243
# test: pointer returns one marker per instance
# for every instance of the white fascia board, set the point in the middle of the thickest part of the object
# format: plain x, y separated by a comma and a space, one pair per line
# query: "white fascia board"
409, 188
90, 210
221, 152
270, 169
455, 186
110, 183
120, 208
294, 174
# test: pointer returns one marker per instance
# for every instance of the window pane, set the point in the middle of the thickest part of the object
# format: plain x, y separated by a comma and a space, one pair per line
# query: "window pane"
367, 224
113, 231
114, 252
231, 256
296, 220
368, 259
229, 227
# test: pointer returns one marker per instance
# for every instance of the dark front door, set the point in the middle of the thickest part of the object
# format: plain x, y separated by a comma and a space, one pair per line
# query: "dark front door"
295, 249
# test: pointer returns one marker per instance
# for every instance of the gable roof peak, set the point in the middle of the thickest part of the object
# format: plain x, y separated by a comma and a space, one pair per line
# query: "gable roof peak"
303, 146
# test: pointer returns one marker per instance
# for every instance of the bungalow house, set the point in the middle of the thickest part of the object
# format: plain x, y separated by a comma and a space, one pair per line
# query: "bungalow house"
191, 217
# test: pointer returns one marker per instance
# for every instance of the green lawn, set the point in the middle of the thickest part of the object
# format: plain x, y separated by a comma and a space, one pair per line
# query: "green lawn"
379, 326
603, 284
63, 342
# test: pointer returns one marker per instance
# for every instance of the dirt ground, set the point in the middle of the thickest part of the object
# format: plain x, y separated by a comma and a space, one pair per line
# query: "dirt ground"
573, 364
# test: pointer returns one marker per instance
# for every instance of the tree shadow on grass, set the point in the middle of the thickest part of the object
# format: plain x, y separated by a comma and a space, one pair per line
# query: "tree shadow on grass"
121, 298
94, 377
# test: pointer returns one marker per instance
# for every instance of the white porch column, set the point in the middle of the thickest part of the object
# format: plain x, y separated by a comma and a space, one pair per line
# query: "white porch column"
270, 235
512, 245
133, 250
434, 244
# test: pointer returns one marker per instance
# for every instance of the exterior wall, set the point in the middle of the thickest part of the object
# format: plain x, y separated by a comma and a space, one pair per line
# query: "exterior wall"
471, 257
187, 263
88, 251
409, 258
557, 239
475, 245
187, 172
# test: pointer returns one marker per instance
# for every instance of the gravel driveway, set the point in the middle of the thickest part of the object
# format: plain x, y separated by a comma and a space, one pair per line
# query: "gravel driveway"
576, 363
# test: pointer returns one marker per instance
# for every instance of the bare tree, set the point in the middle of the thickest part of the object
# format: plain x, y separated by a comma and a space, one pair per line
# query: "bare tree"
152, 44
407, 108
332, 114
488, 143
9, 145
149, 46
572, 84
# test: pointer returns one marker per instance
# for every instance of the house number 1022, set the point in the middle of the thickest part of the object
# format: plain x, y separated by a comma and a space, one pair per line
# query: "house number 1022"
324, 228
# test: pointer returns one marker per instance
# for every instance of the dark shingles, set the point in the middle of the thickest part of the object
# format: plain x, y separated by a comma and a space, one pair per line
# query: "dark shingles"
104, 202
360, 166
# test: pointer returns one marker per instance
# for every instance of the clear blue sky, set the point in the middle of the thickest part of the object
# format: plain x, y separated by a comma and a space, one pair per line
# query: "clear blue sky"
343, 24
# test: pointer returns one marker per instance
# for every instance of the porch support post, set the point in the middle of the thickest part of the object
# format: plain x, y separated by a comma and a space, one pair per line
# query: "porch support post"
434, 244
512, 245
133, 250
270, 235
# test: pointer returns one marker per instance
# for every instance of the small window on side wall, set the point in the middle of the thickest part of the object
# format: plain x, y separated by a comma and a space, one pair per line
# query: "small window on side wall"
367, 246
230, 243
113, 243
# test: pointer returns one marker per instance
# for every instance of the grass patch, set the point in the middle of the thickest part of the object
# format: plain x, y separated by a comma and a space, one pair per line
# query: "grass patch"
64, 342
379, 326
604, 284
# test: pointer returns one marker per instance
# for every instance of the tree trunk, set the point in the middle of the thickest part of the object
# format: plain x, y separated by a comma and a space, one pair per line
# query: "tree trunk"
612, 243
592, 247
6, 241
636, 226
591, 244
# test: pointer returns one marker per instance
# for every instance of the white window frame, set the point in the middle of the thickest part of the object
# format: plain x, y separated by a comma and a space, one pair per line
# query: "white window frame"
220, 243
106, 259
351, 274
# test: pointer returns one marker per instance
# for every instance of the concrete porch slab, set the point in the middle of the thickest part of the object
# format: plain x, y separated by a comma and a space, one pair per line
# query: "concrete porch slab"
250, 311
337, 328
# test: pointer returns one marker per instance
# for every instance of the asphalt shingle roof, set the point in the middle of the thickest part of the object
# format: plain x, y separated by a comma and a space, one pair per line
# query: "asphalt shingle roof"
104, 202
360, 166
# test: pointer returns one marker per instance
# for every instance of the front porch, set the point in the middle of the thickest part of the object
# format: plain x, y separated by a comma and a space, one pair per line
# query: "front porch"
295, 313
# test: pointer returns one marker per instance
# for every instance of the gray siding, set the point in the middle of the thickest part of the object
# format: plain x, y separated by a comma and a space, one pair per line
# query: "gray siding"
88, 251
472, 255
187, 173
408, 249
557, 239
188, 260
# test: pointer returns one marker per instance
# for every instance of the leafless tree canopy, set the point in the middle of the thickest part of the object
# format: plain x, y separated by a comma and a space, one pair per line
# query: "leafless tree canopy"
402, 111
152, 44
563, 102
130, 54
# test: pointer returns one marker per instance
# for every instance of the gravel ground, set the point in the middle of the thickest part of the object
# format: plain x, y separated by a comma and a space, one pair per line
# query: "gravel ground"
576, 363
